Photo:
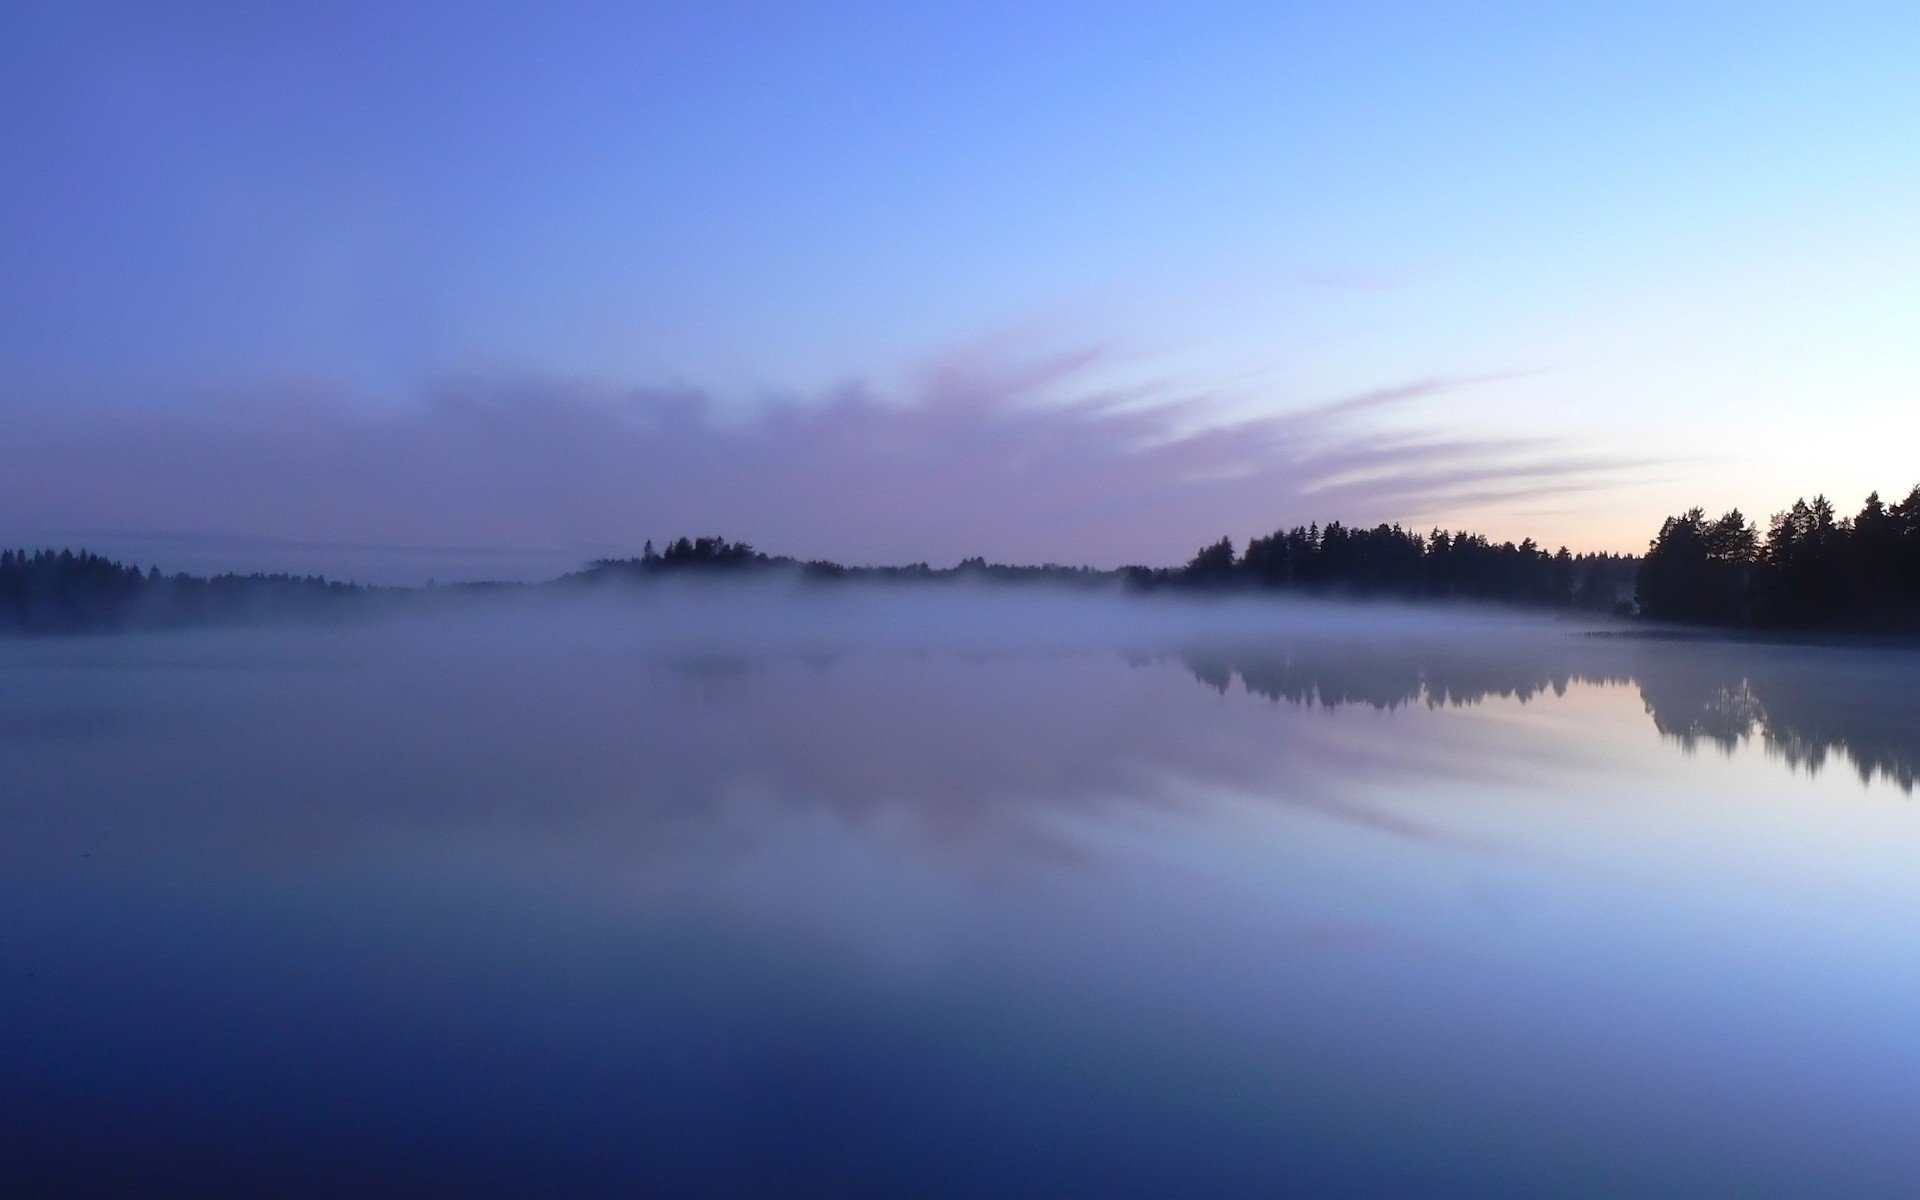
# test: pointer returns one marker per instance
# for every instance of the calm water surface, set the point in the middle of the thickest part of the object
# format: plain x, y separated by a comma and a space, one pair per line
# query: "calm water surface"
882, 900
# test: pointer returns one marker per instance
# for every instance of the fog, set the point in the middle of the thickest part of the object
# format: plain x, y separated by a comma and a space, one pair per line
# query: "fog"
723, 888
626, 712
970, 708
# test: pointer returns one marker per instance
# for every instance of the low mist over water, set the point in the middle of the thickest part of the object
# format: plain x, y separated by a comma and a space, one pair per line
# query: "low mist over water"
953, 601
742, 890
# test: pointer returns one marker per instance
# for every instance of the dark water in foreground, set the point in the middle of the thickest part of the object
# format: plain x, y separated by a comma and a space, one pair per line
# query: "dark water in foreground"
632, 903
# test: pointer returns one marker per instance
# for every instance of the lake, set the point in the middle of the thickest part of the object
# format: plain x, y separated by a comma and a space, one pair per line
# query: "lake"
846, 894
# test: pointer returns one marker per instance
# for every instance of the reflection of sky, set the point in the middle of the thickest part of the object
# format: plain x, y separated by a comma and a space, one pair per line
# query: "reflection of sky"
592, 902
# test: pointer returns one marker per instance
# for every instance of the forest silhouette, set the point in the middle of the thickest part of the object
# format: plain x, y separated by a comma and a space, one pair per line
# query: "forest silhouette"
1810, 571
1389, 562
67, 591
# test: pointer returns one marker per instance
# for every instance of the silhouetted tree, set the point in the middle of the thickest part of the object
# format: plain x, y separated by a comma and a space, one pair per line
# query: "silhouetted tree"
65, 591
1213, 562
1388, 560
1699, 570
1814, 570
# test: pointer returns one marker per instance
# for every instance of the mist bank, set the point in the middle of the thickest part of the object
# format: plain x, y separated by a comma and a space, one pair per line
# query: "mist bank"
631, 717
66, 591
634, 721
1812, 572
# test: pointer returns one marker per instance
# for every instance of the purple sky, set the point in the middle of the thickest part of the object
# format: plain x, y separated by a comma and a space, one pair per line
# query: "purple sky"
433, 288
1022, 464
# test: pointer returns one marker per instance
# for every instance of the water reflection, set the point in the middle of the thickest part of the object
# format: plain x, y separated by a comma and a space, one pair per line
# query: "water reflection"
1803, 704
638, 755
637, 747
624, 906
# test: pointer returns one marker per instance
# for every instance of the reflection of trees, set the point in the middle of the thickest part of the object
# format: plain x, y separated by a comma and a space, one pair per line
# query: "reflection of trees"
1803, 704
1390, 673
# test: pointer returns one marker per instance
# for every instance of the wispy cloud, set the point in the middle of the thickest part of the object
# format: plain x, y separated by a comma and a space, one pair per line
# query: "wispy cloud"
1020, 461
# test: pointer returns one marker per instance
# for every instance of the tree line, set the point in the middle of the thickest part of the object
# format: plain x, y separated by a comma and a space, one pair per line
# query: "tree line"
1810, 569
692, 557
1385, 561
66, 591
1390, 562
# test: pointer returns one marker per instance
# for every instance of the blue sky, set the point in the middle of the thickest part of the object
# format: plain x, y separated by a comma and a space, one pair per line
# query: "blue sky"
1678, 238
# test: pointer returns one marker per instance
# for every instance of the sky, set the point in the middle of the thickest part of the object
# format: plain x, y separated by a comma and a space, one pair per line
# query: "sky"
483, 289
